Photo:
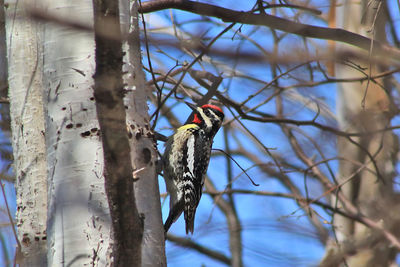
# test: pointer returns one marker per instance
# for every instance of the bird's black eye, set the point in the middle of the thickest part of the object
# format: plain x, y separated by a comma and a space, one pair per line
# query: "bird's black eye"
207, 112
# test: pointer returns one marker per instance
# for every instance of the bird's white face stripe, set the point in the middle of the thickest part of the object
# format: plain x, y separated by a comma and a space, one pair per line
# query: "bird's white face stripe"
216, 117
206, 119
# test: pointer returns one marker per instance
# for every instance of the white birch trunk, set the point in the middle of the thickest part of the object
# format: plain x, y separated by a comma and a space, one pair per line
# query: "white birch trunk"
79, 221
25, 92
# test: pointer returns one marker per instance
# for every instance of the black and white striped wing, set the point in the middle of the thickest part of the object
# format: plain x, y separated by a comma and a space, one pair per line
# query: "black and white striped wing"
197, 161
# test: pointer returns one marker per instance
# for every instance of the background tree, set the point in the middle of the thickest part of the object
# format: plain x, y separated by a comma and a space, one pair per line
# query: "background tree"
372, 192
311, 179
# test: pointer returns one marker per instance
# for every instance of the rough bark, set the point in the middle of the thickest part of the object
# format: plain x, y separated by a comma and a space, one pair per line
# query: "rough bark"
78, 216
25, 94
4, 107
143, 148
109, 92
3, 54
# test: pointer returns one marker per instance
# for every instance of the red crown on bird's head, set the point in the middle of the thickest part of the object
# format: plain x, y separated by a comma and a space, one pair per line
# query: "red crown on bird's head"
212, 106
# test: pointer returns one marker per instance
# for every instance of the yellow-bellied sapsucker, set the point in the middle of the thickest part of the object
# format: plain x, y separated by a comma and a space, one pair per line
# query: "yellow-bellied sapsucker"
186, 159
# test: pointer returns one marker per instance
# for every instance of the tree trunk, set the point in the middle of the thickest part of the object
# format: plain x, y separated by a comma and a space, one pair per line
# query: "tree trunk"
109, 91
79, 219
26, 107
364, 107
143, 147
4, 108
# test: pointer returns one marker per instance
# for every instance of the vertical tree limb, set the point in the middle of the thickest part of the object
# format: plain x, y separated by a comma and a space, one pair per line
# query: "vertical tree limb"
365, 107
108, 90
143, 147
4, 108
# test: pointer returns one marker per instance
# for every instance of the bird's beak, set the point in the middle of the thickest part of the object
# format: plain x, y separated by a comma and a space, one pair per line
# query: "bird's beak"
192, 106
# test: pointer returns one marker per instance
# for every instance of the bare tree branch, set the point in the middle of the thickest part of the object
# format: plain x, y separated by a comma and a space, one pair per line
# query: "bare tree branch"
188, 243
235, 229
229, 15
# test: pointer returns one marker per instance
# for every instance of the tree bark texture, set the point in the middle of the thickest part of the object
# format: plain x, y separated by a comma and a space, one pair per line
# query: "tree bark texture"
79, 230
143, 147
109, 92
26, 107
4, 108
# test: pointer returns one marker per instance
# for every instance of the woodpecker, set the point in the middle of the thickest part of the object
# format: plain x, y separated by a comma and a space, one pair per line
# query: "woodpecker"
186, 157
